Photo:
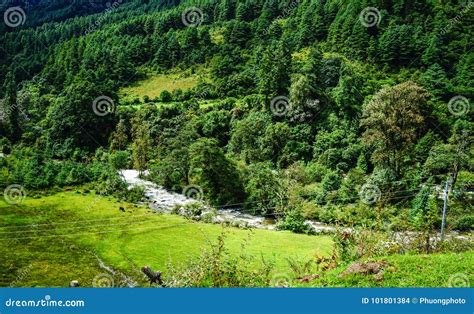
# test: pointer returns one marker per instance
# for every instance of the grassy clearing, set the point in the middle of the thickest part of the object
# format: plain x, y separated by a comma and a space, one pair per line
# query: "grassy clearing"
153, 86
66, 231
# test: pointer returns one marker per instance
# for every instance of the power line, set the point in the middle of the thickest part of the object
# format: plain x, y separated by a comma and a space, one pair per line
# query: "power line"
77, 227
91, 233
222, 207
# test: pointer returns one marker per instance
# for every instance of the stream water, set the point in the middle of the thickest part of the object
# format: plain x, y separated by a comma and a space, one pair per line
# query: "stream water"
162, 200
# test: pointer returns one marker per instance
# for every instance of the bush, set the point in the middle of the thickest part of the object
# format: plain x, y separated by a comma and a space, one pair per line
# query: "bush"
110, 183
294, 221
193, 210
465, 223
355, 244
331, 181
209, 216
166, 96
119, 160
135, 194
216, 267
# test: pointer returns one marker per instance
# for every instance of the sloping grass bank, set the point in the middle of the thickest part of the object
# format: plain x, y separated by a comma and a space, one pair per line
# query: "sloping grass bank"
52, 240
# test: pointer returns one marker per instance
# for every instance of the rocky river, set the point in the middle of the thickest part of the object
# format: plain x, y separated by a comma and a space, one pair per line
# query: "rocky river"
162, 200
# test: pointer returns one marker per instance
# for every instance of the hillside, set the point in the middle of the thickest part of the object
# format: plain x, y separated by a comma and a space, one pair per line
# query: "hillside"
355, 114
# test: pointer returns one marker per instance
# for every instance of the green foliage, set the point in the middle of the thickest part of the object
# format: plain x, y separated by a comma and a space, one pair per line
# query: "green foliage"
120, 137
119, 160
354, 110
294, 221
193, 210
165, 96
214, 173
265, 190
394, 120
141, 144
135, 194
465, 223
331, 182
216, 267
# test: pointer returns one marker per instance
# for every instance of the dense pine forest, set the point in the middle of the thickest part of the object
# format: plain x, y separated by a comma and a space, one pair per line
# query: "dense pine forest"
350, 113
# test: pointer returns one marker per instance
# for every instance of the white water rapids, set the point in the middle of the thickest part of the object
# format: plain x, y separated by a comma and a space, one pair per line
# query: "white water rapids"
160, 199
164, 201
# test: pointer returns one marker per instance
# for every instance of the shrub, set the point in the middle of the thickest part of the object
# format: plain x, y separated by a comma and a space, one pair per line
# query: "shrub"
465, 223
193, 210
119, 160
208, 217
110, 183
216, 267
294, 221
166, 96
135, 194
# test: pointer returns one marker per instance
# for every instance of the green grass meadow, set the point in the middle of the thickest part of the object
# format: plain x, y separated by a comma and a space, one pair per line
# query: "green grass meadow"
154, 85
51, 240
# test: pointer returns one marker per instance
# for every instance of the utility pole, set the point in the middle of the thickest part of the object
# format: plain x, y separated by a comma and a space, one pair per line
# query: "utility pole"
445, 206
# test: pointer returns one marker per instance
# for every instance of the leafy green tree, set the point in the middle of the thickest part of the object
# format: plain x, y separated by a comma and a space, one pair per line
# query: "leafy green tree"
246, 134
453, 156
394, 119
141, 144
265, 191
119, 139
436, 81
273, 75
274, 140
214, 173
301, 94
348, 92
10, 114
82, 118
424, 214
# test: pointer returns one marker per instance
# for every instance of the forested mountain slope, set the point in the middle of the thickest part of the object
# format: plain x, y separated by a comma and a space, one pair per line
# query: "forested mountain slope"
343, 111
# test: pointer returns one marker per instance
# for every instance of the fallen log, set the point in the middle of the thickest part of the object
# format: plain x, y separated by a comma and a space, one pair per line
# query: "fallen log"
153, 277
